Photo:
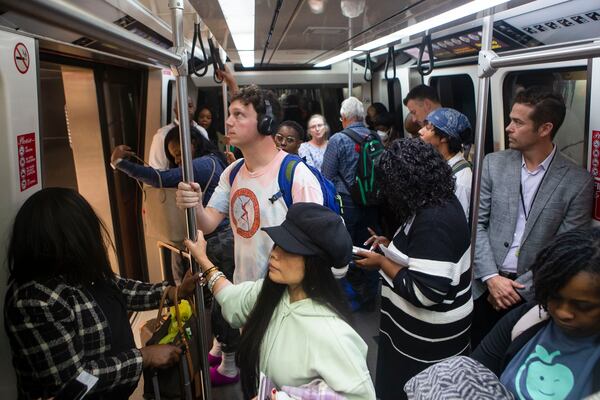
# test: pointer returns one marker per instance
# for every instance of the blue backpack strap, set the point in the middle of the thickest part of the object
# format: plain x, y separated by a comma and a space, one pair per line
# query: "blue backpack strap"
234, 171
285, 179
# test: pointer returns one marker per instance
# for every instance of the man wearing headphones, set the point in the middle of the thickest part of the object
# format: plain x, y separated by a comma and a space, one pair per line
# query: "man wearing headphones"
246, 192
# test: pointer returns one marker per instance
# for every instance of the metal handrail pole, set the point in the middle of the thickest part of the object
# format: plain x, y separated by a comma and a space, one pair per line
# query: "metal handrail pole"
350, 83
590, 50
480, 125
63, 14
182, 73
225, 103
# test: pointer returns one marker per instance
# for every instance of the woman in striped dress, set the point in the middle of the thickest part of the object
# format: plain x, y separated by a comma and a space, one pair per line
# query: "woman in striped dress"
426, 300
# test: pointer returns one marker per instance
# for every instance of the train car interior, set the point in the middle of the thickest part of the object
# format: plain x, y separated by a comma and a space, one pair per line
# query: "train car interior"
71, 89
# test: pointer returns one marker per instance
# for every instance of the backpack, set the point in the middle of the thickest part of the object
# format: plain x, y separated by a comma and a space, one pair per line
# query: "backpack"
285, 178
365, 190
533, 316
459, 166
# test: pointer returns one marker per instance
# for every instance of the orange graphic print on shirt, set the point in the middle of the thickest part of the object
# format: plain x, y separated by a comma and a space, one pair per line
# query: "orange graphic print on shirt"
245, 212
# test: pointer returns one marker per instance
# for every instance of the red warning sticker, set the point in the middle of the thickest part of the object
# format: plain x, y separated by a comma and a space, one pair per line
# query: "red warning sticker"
21, 56
28, 174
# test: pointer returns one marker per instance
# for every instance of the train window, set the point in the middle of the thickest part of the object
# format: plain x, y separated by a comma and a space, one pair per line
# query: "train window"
171, 95
571, 83
300, 102
458, 92
395, 103
212, 98
58, 165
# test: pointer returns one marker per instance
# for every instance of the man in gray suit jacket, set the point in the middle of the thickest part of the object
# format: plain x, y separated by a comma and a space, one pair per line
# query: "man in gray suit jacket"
529, 194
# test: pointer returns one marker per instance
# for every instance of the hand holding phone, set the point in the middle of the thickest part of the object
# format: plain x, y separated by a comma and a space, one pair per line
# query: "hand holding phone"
77, 388
355, 250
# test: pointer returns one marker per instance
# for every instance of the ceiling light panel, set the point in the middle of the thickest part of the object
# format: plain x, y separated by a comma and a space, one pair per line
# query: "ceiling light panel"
239, 15
339, 57
452, 15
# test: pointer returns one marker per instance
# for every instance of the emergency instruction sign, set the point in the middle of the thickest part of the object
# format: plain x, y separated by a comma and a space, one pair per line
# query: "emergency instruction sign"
28, 174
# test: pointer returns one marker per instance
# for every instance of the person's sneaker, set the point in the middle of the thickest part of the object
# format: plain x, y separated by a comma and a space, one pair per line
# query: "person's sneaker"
218, 379
214, 360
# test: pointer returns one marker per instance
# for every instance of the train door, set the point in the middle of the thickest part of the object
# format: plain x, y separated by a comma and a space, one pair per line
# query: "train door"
86, 110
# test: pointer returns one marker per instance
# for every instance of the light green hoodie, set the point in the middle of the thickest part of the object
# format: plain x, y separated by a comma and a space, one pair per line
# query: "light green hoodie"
305, 340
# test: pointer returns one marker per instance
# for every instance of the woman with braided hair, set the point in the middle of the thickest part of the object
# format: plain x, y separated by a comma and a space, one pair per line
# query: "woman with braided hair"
551, 348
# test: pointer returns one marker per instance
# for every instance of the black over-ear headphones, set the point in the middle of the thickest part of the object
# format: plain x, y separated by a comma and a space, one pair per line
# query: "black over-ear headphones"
267, 125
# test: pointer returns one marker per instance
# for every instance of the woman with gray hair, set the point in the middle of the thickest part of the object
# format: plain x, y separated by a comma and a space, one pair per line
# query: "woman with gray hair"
313, 150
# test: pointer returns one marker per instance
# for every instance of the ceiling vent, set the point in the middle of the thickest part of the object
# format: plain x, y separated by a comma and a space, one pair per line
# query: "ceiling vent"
325, 30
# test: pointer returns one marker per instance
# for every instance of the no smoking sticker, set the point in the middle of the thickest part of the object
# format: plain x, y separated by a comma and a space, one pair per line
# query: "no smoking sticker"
21, 56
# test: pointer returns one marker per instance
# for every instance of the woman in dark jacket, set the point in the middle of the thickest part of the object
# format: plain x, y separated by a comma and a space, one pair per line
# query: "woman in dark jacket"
550, 349
208, 164
66, 310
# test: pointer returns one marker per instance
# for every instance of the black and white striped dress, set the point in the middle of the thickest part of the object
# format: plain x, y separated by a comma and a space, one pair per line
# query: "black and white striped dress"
426, 315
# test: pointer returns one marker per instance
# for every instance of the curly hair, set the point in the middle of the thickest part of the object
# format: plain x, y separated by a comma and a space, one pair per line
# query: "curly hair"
567, 255
256, 96
413, 175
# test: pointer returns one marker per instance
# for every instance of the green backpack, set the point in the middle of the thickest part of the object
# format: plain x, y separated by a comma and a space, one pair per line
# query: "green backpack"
365, 190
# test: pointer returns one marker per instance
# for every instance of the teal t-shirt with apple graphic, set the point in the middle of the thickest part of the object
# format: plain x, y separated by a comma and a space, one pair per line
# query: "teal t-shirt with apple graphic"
553, 366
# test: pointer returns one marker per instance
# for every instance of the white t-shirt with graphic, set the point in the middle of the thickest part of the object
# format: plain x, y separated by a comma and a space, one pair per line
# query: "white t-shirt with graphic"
249, 208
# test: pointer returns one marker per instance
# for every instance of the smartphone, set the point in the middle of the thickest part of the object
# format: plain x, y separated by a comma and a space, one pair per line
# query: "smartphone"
77, 388
355, 250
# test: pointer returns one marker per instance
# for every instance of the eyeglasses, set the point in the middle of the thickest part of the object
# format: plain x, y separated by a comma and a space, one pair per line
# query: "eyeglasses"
317, 126
288, 139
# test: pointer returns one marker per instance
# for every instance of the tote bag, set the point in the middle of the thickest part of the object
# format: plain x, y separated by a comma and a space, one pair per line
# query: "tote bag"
164, 220
186, 375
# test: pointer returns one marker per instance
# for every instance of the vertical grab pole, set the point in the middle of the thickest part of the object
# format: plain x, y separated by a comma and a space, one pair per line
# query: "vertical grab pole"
480, 125
224, 94
181, 72
350, 83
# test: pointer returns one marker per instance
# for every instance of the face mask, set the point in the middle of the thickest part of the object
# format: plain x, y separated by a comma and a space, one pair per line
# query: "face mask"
382, 134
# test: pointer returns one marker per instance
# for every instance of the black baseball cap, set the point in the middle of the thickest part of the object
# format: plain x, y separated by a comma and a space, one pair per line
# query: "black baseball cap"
311, 229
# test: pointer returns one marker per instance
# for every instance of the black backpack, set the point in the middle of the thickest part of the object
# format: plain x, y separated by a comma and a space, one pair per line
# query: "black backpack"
365, 189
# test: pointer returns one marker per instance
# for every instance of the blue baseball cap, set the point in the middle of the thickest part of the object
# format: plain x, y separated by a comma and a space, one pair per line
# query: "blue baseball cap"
449, 121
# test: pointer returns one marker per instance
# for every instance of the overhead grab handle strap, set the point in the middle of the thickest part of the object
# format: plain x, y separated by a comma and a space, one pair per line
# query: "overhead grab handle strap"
391, 59
423, 71
198, 37
368, 68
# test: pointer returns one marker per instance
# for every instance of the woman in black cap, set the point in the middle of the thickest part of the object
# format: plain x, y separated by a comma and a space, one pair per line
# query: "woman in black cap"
294, 320
426, 301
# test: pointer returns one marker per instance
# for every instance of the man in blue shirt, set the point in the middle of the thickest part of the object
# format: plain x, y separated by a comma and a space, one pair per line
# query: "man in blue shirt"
339, 166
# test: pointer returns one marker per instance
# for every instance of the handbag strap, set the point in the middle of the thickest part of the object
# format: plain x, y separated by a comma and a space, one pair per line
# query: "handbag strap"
214, 164
160, 185
159, 316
